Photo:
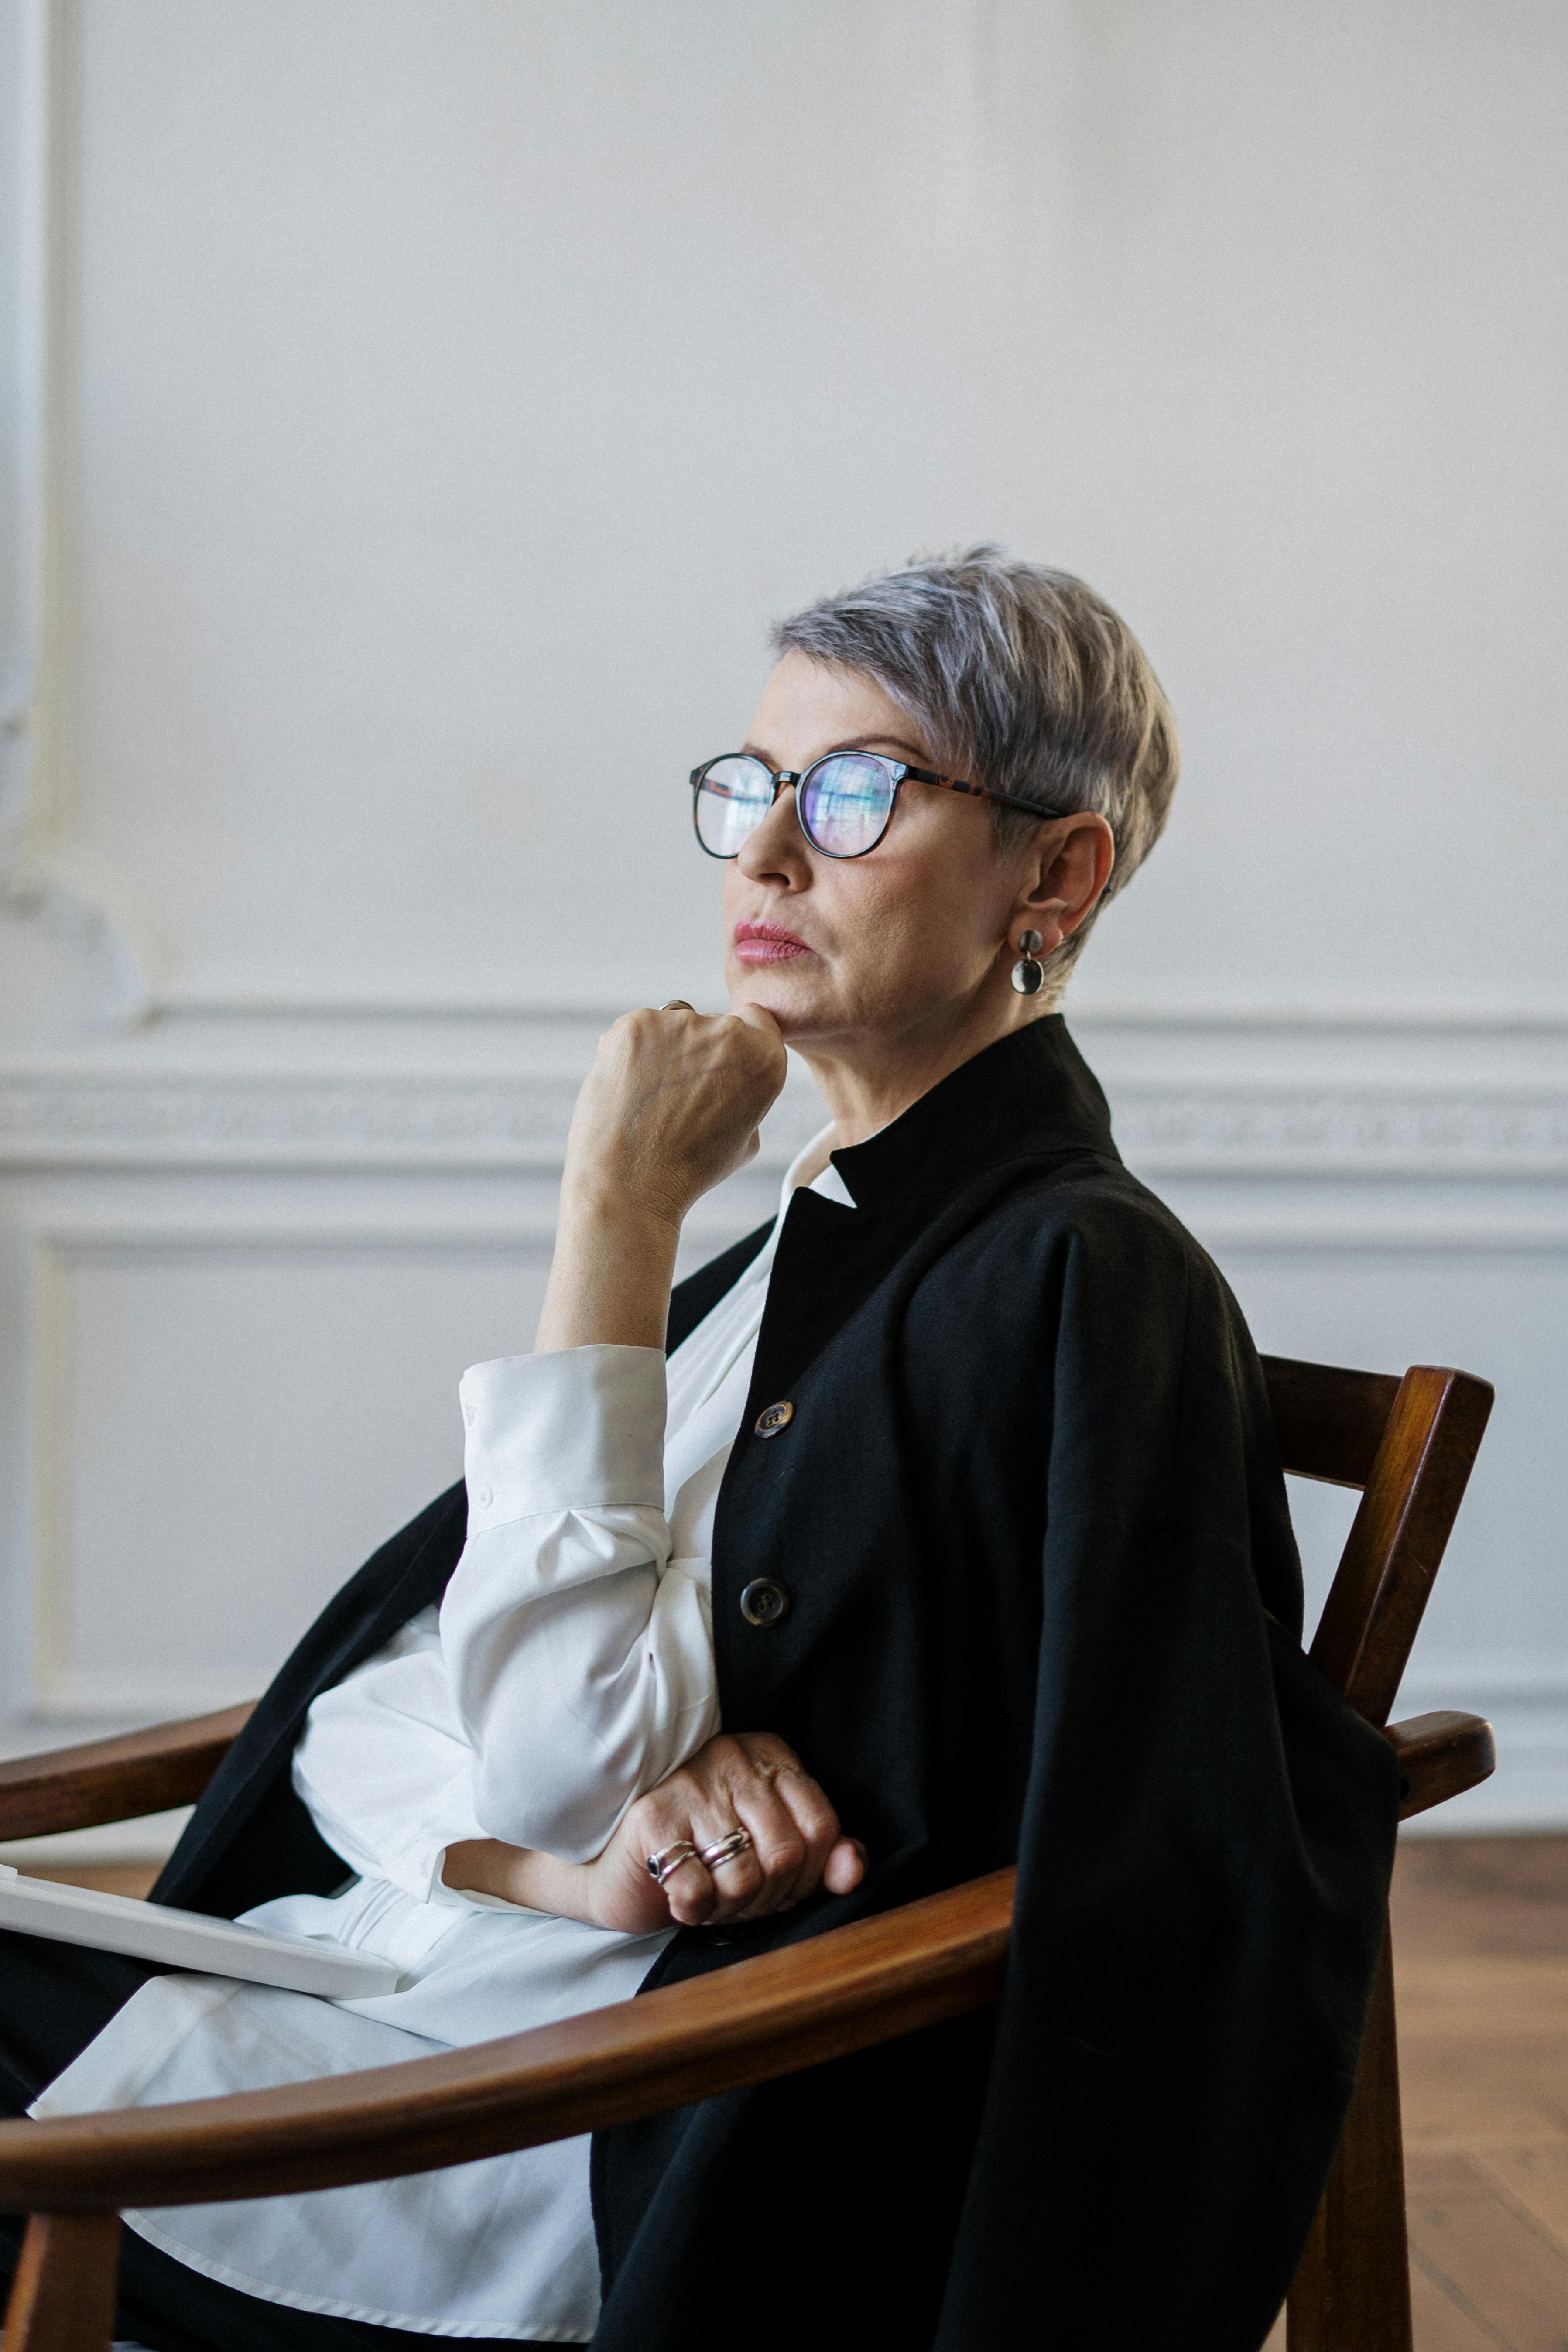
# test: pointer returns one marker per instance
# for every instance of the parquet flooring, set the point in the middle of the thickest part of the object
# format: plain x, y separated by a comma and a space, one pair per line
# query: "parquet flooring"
1481, 1957
1480, 1943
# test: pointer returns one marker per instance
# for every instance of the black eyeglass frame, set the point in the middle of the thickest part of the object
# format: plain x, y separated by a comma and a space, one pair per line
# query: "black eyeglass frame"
899, 769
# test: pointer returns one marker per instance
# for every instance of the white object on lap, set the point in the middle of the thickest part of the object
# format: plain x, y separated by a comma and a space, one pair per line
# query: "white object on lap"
188, 1939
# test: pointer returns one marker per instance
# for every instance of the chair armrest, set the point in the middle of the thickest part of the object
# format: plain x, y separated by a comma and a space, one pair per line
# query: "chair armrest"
837, 1992
1440, 1756
115, 1780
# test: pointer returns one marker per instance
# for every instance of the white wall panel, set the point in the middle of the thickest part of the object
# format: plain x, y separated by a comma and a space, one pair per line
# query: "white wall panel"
412, 414
1484, 1299
459, 390
1492, 1301
227, 1423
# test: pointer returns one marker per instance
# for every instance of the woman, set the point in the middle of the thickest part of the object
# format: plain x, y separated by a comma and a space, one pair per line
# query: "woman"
956, 1505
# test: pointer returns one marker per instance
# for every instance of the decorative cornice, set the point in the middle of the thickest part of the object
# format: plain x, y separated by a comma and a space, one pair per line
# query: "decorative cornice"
1302, 1130
292, 1121
55, 1117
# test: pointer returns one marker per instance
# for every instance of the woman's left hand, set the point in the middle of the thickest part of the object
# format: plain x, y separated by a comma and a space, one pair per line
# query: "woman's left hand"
751, 1782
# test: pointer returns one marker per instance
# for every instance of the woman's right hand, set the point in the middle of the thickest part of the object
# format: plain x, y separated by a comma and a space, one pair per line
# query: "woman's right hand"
669, 1107
672, 1106
751, 1781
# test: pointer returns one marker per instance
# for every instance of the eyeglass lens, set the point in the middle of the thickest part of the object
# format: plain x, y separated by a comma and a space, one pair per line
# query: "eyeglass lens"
732, 798
844, 803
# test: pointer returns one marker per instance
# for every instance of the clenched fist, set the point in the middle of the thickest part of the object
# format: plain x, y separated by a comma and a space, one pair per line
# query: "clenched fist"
671, 1106
669, 1109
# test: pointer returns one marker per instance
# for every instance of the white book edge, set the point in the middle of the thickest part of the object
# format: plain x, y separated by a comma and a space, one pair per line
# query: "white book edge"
189, 1940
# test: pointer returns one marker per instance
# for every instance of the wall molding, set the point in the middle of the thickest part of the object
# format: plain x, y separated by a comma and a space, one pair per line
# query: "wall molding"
598, 992
1305, 1130
110, 1117
121, 1119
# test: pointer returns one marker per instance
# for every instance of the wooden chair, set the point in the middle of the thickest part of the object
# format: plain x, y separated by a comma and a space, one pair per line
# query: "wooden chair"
1407, 1443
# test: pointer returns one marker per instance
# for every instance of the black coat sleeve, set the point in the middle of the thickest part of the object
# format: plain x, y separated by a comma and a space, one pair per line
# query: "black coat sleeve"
1203, 1861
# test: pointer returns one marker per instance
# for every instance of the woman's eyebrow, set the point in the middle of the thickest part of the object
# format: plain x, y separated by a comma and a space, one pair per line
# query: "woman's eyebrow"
851, 743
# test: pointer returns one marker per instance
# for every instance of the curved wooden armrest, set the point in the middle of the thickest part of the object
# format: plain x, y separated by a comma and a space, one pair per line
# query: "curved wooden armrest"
837, 1992
1439, 1756
115, 1780
149, 1771
834, 1993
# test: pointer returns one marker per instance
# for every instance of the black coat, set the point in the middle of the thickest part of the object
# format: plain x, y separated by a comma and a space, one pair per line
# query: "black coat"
1045, 1605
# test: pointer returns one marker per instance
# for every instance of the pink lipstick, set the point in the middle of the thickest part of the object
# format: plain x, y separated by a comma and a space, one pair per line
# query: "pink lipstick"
767, 943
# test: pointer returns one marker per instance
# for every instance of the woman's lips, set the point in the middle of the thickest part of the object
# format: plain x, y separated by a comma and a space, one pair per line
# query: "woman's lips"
766, 943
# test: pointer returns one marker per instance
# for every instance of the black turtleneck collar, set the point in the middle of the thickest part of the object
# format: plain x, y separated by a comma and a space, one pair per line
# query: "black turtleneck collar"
1030, 1093
1028, 1097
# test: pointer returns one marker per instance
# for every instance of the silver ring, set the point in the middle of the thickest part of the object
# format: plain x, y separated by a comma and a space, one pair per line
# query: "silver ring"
677, 1005
663, 1865
726, 1850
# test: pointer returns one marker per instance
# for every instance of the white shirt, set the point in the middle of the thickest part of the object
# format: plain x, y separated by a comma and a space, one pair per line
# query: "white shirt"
570, 1668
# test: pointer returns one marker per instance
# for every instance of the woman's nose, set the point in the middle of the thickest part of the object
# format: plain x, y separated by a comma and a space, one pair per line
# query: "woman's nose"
778, 842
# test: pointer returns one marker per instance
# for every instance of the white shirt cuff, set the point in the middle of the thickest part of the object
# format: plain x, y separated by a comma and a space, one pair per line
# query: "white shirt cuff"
578, 1429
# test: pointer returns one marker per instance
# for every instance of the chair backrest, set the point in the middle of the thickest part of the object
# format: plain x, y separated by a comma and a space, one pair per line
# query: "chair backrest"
1409, 1445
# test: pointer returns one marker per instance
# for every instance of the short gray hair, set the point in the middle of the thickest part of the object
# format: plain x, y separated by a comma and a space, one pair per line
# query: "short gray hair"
1022, 680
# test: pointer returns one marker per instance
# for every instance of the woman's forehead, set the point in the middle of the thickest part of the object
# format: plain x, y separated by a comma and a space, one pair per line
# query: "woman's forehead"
810, 706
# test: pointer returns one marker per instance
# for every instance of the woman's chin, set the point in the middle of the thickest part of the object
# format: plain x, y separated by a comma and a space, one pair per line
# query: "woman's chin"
795, 1005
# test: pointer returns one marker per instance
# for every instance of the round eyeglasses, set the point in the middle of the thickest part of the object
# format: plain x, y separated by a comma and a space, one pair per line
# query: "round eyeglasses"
845, 801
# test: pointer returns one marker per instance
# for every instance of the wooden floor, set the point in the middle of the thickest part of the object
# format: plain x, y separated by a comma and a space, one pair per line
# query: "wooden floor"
1480, 1952
1481, 1942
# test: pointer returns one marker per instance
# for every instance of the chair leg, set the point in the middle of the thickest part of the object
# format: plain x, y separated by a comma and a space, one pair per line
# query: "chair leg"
63, 2297
1351, 2292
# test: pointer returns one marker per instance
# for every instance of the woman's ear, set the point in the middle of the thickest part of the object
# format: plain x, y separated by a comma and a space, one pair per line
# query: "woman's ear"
1071, 868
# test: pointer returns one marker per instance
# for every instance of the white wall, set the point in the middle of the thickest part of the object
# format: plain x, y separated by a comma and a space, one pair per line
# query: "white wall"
441, 396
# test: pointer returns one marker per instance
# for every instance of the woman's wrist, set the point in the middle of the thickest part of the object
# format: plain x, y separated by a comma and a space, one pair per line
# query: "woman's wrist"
520, 1875
611, 1273
606, 1892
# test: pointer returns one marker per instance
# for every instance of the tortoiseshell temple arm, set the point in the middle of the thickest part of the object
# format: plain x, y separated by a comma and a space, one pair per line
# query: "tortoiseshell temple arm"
980, 792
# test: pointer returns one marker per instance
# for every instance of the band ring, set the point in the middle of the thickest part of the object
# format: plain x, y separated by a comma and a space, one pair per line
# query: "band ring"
677, 1005
663, 1865
727, 1849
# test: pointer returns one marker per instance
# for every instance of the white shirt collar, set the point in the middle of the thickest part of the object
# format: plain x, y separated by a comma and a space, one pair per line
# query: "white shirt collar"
813, 1165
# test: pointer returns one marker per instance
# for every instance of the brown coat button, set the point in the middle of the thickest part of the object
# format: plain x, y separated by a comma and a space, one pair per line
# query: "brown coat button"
773, 1418
763, 1602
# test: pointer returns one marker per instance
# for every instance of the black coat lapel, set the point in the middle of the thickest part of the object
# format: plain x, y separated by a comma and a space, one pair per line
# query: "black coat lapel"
1028, 1100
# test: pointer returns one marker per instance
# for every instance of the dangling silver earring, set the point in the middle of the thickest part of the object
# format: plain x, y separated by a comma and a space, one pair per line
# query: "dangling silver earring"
1028, 974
